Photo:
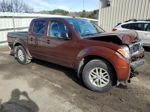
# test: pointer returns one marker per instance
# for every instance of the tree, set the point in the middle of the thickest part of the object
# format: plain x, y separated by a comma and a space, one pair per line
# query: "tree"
14, 6
83, 13
59, 12
93, 14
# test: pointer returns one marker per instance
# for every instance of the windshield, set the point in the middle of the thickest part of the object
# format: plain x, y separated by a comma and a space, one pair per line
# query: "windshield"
84, 27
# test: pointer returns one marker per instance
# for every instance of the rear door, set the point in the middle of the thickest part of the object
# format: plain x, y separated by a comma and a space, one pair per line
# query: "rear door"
143, 30
139, 27
31, 40
37, 38
146, 34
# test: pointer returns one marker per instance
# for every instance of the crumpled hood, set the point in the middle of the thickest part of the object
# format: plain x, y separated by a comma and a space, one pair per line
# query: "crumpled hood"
124, 37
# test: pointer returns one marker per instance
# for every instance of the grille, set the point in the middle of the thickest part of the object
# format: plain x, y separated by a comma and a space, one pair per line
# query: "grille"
135, 47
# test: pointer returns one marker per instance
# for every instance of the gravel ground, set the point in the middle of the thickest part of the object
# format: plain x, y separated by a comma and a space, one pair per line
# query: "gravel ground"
45, 87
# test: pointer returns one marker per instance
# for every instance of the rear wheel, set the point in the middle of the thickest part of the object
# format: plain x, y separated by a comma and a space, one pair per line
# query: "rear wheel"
98, 75
21, 55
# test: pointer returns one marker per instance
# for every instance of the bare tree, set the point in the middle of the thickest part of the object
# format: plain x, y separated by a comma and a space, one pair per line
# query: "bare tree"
14, 6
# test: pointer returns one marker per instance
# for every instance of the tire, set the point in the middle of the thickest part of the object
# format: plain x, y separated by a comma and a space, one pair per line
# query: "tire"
98, 75
21, 55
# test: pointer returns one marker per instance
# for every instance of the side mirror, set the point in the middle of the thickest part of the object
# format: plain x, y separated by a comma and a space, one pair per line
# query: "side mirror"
65, 35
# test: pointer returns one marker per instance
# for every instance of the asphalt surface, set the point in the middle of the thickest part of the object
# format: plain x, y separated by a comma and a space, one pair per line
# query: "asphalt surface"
45, 87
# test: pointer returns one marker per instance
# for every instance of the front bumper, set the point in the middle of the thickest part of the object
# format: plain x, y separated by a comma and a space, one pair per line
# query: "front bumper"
136, 64
127, 69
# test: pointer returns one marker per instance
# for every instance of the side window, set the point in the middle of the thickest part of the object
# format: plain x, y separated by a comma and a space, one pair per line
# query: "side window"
147, 27
139, 26
59, 30
127, 26
39, 27
134, 26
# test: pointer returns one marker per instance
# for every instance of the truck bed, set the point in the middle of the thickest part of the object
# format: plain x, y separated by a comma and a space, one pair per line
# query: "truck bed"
17, 34
13, 36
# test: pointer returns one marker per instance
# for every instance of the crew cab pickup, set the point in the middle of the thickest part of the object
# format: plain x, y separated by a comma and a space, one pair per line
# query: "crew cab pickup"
100, 59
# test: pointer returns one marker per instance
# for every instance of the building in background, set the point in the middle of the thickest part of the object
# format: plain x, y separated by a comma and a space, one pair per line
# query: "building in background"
113, 12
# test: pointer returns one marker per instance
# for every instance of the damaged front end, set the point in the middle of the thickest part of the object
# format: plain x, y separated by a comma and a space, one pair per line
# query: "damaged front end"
131, 48
137, 54
133, 53
135, 60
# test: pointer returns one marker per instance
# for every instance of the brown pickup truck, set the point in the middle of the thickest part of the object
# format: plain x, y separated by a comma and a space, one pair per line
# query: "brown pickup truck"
100, 59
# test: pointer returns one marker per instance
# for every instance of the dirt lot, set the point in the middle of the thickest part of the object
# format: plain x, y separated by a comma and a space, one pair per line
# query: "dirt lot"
53, 88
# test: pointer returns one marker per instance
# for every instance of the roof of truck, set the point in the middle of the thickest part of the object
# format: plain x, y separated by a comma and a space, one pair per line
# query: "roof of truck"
58, 18
67, 17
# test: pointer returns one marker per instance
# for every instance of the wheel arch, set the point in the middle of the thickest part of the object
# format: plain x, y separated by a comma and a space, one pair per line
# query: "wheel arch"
88, 58
19, 42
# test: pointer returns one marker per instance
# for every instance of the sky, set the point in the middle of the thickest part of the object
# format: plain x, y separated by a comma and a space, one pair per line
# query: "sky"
70, 5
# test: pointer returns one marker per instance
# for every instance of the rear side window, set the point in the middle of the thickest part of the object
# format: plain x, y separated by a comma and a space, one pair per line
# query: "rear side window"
39, 27
134, 26
127, 26
139, 26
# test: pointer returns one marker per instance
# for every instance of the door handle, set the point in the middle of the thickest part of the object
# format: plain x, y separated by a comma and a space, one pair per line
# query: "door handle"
48, 41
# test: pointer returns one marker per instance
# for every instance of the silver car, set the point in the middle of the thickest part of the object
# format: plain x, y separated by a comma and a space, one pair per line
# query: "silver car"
142, 27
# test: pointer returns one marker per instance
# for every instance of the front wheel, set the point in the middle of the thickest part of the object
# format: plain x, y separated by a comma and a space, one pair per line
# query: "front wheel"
98, 75
21, 55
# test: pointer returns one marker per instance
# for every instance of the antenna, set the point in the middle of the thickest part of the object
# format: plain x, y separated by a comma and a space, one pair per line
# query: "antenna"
83, 6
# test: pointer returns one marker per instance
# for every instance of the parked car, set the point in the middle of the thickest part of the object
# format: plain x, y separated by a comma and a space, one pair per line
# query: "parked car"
94, 21
142, 27
100, 59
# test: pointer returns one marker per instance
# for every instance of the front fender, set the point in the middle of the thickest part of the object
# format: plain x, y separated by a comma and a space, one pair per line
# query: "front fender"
119, 63
96, 51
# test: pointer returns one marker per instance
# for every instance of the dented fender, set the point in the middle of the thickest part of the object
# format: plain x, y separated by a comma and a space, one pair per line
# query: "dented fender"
120, 64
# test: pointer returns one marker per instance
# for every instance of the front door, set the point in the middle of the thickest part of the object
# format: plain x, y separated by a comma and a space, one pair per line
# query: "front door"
61, 43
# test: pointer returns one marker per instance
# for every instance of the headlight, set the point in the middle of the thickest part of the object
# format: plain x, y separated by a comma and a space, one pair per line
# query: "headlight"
125, 52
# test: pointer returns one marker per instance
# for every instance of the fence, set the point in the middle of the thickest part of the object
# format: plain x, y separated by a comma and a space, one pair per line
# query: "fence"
11, 22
